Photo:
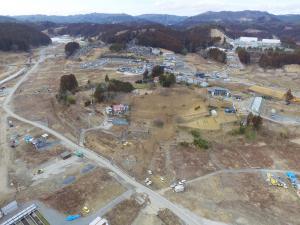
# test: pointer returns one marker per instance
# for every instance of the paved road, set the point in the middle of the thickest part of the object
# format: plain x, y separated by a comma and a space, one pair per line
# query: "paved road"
187, 216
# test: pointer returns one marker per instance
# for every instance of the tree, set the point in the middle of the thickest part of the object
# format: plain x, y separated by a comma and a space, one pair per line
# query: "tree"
249, 119
106, 78
217, 55
107, 90
167, 80
257, 122
277, 59
117, 47
145, 75
157, 71
289, 96
71, 48
244, 55
101, 92
68, 83
20, 37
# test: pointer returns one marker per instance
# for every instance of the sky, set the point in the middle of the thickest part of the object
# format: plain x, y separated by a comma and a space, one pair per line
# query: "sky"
137, 7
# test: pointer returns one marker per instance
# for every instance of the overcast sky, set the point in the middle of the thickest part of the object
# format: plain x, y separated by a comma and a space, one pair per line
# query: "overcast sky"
136, 7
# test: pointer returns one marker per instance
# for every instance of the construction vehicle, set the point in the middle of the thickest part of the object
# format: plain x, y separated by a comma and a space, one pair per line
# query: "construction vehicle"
275, 181
40, 171
79, 154
85, 211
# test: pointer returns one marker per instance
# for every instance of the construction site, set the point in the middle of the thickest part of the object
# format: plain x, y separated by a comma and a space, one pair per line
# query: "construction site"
142, 157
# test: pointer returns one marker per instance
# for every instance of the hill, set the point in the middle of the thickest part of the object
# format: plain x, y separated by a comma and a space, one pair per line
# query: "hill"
6, 19
240, 16
20, 37
163, 18
100, 18
153, 35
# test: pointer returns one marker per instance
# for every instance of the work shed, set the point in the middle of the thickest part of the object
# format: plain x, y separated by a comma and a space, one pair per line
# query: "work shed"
65, 155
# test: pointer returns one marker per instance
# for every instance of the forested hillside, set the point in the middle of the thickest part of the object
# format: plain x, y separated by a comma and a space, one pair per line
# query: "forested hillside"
20, 37
148, 35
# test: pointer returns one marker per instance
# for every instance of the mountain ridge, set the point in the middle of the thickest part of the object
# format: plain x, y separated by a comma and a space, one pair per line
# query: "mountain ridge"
165, 19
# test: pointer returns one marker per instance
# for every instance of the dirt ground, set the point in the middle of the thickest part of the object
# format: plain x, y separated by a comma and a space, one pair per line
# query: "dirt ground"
93, 190
40, 90
169, 218
151, 147
124, 213
268, 149
281, 79
240, 199
201, 64
26, 151
11, 62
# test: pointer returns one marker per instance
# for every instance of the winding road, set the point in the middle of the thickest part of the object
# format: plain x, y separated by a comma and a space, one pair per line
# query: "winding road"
156, 199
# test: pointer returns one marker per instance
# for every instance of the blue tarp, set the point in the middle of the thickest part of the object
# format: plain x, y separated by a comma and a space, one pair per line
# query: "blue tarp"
73, 217
28, 138
69, 180
87, 168
292, 177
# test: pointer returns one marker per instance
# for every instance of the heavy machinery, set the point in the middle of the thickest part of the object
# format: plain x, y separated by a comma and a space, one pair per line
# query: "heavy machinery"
275, 181
79, 154
85, 211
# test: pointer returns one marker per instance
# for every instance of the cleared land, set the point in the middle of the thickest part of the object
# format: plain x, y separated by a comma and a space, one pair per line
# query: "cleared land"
241, 199
85, 192
124, 213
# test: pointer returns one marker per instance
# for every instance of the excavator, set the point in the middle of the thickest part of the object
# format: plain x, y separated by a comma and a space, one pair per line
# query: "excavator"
275, 181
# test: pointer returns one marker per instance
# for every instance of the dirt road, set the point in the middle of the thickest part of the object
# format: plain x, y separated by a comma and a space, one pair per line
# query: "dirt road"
187, 216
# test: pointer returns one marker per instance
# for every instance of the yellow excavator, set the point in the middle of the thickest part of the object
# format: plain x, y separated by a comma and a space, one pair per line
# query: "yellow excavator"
85, 211
275, 181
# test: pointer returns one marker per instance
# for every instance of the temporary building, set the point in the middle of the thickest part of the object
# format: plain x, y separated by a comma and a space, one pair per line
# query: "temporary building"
255, 107
99, 221
65, 155
248, 39
9, 208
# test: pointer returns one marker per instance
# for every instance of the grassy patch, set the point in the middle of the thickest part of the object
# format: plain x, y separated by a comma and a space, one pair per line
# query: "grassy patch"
141, 86
249, 132
199, 141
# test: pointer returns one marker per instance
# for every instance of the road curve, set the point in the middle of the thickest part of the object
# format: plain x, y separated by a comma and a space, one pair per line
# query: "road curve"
187, 216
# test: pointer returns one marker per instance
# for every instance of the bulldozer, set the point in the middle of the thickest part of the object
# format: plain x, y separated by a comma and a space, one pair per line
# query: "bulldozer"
275, 181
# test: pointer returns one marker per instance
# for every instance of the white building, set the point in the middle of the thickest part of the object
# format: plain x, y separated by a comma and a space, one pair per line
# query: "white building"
256, 104
271, 42
248, 39
253, 42
99, 221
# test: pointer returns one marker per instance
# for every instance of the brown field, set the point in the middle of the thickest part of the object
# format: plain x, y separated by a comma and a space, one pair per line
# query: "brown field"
240, 199
169, 218
202, 64
11, 62
281, 79
93, 190
124, 213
